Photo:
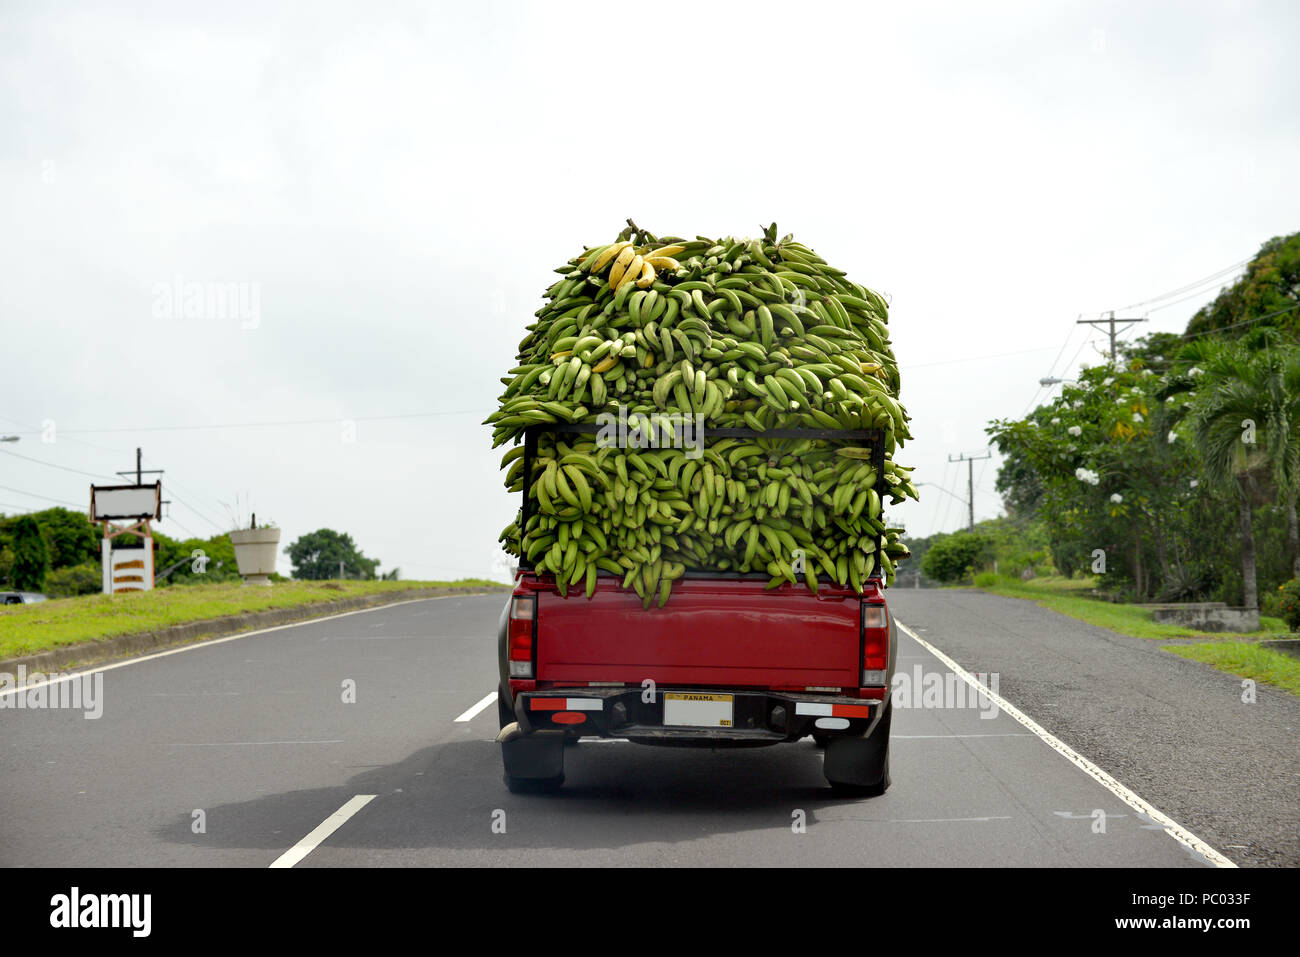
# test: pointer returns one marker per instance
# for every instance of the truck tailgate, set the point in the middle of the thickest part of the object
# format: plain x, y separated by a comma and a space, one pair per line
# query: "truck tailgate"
719, 632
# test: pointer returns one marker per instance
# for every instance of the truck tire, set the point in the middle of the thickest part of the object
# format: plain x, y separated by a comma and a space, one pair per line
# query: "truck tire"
860, 766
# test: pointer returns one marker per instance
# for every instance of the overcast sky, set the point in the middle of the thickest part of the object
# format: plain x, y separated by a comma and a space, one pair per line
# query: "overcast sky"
395, 182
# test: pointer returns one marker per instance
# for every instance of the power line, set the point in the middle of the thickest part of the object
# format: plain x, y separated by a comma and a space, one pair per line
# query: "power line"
996, 355
1051, 369
188, 533
1215, 276
172, 484
182, 501
45, 497
52, 465
256, 425
1195, 295
947, 503
1247, 322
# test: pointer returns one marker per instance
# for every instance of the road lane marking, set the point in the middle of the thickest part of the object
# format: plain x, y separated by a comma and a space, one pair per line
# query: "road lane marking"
321, 831
1013, 734
219, 641
919, 820
472, 712
237, 744
1171, 827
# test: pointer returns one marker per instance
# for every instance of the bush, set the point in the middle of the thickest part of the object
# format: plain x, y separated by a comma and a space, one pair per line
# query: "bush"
986, 579
1289, 605
954, 556
83, 579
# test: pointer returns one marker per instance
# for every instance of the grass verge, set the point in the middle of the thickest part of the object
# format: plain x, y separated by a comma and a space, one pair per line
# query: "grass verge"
1247, 661
1069, 596
28, 629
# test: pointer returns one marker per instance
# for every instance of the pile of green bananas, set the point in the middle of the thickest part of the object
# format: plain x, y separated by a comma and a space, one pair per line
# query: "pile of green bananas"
758, 333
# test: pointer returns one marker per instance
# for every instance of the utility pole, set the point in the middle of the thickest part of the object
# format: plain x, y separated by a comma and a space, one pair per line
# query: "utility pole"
140, 472
1109, 321
970, 461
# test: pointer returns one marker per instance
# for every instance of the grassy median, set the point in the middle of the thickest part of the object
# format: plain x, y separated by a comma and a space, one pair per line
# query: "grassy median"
1071, 596
28, 629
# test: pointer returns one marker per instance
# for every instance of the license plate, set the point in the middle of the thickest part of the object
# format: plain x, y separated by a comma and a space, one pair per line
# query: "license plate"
683, 709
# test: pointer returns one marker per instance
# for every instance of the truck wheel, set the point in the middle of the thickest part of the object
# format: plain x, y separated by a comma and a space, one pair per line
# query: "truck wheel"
505, 712
860, 766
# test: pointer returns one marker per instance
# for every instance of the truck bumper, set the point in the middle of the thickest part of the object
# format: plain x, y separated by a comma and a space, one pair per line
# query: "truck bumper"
757, 717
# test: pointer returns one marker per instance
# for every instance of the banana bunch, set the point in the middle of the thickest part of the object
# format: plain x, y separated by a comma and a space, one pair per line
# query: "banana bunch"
759, 333
628, 264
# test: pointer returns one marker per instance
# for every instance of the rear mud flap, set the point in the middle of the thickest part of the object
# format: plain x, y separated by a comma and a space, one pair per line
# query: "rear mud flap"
859, 762
535, 756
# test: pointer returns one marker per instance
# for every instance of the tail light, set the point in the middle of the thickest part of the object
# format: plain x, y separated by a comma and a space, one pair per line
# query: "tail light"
523, 621
875, 644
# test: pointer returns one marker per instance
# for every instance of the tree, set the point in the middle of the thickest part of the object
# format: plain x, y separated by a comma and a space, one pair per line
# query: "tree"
1270, 287
316, 556
31, 561
1246, 417
71, 537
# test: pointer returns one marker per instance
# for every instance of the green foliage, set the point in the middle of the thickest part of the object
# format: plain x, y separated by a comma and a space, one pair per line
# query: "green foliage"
1145, 460
987, 579
953, 557
84, 579
71, 537
1288, 604
1271, 283
202, 561
316, 556
31, 556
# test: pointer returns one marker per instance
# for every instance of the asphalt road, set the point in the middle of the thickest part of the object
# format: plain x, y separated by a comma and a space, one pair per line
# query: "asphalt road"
233, 752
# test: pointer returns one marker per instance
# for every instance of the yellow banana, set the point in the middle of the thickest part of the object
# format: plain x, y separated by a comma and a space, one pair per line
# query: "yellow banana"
625, 257
627, 275
610, 252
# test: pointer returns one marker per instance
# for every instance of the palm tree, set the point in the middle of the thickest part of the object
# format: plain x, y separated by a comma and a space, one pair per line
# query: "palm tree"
1246, 418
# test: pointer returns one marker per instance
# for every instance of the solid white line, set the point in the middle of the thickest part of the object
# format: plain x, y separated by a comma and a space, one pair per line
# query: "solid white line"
321, 831
1172, 827
472, 712
235, 744
217, 641
1014, 734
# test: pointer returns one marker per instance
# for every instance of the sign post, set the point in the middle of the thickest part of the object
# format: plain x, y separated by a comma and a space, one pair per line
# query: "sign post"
123, 509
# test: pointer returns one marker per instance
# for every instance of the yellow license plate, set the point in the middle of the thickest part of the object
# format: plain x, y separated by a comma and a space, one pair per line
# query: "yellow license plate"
684, 709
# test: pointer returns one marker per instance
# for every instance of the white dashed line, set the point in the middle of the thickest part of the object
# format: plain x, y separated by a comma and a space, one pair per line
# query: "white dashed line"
472, 712
321, 831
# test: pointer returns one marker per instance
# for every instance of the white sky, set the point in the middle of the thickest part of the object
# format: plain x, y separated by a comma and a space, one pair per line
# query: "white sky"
400, 180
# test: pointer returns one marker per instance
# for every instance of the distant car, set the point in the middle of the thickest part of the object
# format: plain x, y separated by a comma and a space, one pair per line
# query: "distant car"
21, 597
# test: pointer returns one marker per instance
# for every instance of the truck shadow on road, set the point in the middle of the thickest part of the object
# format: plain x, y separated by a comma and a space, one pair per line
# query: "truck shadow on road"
617, 794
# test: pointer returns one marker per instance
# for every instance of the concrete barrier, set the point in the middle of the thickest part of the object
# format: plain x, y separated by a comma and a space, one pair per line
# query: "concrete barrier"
1207, 616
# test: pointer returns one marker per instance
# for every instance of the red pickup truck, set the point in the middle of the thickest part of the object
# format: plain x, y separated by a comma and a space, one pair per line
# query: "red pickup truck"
726, 663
